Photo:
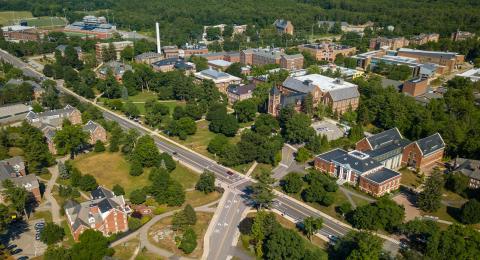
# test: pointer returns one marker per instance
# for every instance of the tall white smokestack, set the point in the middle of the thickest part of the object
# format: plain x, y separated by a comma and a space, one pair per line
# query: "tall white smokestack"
159, 48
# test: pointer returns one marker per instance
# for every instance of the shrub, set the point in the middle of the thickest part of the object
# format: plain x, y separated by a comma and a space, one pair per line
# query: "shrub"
134, 223
136, 169
138, 196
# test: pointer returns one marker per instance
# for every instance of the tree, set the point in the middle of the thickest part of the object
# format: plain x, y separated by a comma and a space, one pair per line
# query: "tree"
5, 217
99, 147
182, 127
227, 31
307, 105
138, 196
284, 244
358, 245
345, 208
69, 139
297, 128
17, 196
235, 69
127, 53
430, 198
136, 168
213, 33
262, 194
51, 233
226, 125
217, 144
175, 195
317, 144
470, 212
457, 242
93, 245
118, 190
245, 110
200, 62
383, 214
206, 182
88, 183
167, 162
131, 110
266, 124
457, 182
188, 242
311, 226
63, 171
190, 215
146, 152
292, 183
302, 155
134, 223
57, 253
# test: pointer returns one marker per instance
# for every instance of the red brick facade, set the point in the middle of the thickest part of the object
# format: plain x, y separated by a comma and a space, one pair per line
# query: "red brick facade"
413, 157
415, 87
363, 145
379, 190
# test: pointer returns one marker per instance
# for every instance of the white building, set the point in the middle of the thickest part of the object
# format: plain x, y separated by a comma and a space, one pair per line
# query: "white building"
472, 74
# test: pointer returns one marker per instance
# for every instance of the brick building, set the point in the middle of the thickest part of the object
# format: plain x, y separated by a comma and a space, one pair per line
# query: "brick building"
221, 79
171, 64
148, 57
188, 50
96, 132
260, 57
424, 153
359, 169
118, 46
232, 56
424, 38
283, 26
117, 68
21, 33
54, 118
104, 212
461, 36
170, 51
390, 43
469, 168
385, 147
336, 93
415, 87
450, 60
239, 92
327, 51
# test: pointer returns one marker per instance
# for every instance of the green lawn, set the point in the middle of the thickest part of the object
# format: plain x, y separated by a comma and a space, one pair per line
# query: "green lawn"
199, 141
110, 169
46, 22
143, 96
8, 17
185, 176
410, 178
46, 215
196, 198
262, 167
359, 201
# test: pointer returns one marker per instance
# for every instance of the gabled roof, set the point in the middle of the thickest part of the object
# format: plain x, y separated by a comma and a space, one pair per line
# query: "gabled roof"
469, 168
355, 160
90, 126
344, 93
298, 85
384, 138
431, 144
241, 90
281, 23
101, 192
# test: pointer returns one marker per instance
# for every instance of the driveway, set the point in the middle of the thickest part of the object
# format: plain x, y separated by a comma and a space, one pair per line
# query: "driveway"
411, 211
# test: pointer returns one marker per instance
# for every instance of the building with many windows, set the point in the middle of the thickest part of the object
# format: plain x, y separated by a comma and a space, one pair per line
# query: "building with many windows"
327, 51
260, 57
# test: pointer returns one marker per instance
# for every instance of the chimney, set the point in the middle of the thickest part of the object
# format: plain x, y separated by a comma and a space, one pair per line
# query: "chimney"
159, 48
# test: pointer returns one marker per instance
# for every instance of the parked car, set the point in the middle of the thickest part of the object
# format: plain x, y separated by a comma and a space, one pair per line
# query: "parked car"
12, 246
37, 236
16, 251
39, 225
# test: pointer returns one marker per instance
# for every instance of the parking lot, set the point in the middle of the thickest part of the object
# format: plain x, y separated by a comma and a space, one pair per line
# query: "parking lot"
24, 243
331, 130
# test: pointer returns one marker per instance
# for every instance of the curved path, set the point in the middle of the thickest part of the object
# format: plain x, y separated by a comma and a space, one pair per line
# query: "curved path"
143, 233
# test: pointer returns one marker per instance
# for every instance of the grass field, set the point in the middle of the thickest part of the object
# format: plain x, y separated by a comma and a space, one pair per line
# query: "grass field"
125, 251
8, 17
112, 168
46, 22
46, 215
410, 178
168, 242
143, 97
196, 198
199, 141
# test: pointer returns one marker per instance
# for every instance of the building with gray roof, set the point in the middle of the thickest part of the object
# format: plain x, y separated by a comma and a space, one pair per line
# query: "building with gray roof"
469, 168
358, 168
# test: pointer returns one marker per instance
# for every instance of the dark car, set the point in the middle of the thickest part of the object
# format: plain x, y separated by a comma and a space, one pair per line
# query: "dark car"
230, 173
12, 246
37, 236
16, 251
22, 258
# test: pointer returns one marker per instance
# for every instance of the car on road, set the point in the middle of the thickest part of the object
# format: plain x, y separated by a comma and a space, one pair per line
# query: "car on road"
174, 153
230, 173
333, 239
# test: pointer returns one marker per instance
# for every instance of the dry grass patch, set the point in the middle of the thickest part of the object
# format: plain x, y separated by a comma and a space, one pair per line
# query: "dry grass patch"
125, 251
168, 241
196, 198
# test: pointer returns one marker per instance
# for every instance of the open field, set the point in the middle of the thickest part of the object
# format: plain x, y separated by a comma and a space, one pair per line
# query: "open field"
46, 22
112, 168
125, 251
168, 242
8, 17
199, 141
196, 198
410, 178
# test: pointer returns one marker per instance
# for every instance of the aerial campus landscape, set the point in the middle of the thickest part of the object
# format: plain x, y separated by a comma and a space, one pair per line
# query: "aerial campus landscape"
282, 129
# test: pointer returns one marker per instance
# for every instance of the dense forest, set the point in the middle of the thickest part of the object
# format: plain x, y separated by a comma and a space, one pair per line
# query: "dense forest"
182, 20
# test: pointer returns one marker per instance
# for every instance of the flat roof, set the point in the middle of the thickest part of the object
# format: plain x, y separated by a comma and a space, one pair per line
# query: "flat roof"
15, 109
325, 83
221, 63
382, 175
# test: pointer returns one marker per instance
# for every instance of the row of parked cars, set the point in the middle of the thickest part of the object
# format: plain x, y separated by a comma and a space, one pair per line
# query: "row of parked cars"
39, 226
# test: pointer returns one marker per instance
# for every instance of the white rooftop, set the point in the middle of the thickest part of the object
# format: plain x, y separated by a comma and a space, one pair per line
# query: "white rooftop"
325, 83
472, 74
16, 28
220, 63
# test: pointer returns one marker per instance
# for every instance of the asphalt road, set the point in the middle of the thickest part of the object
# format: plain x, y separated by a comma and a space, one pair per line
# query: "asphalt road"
288, 206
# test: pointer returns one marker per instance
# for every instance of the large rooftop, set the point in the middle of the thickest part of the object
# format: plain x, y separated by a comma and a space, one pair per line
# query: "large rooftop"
325, 84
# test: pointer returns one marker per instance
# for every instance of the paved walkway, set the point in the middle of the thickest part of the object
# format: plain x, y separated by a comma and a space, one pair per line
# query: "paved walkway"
54, 207
254, 165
